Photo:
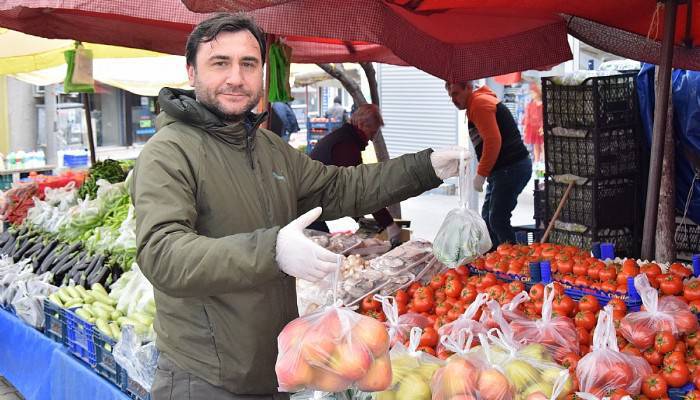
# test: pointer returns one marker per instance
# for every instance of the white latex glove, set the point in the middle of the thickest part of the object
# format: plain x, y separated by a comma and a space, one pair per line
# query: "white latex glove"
299, 256
393, 232
446, 161
479, 183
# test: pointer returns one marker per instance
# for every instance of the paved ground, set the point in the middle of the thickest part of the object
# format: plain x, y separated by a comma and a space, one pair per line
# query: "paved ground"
8, 392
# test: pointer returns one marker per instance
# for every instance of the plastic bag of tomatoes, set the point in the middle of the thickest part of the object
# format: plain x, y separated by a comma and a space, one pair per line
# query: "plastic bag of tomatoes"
332, 350
606, 369
399, 326
557, 334
493, 318
412, 370
468, 374
468, 320
666, 314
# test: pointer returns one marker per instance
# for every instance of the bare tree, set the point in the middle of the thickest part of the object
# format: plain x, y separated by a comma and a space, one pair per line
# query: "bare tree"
338, 72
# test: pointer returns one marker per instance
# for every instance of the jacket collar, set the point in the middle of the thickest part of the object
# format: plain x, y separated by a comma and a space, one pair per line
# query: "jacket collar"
182, 105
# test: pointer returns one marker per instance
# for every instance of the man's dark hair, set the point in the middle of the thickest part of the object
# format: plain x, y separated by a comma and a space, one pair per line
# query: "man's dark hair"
209, 29
337, 100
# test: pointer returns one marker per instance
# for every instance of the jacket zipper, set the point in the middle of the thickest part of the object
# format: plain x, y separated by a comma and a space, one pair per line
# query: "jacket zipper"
249, 152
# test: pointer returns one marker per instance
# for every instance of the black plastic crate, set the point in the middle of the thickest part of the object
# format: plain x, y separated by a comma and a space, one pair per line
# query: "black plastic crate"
598, 102
54, 321
104, 360
597, 203
626, 240
540, 204
132, 388
687, 236
604, 153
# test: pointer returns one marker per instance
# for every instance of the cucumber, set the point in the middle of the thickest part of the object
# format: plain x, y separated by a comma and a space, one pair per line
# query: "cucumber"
83, 314
63, 295
142, 318
73, 292
103, 306
103, 327
55, 299
101, 313
116, 332
103, 298
88, 309
97, 286
116, 315
73, 303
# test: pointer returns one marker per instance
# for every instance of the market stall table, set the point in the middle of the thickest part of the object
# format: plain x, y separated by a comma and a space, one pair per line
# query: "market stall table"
42, 369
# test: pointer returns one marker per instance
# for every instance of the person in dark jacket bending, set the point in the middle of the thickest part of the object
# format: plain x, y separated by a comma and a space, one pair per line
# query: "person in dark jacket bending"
343, 148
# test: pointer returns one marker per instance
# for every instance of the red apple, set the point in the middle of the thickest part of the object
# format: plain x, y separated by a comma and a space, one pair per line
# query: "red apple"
372, 334
292, 334
317, 347
493, 385
327, 381
350, 360
293, 373
459, 376
378, 376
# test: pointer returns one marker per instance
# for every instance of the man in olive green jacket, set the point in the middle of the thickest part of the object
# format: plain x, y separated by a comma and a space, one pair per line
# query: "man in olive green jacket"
212, 191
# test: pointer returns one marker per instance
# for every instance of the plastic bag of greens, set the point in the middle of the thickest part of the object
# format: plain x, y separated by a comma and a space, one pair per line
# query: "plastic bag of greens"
605, 368
412, 370
463, 235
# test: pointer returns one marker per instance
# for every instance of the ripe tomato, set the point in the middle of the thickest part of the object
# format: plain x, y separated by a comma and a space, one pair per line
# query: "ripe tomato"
401, 296
440, 321
696, 350
695, 306
608, 274
676, 375
585, 319
370, 304
454, 313
692, 339
680, 270
696, 378
691, 290
442, 309
584, 336
671, 284
654, 386
629, 266
580, 269
583, 281
429, 337
423, 299
609, 286
468, 293
495, 292
440, 295
622, 279
664, 342
618, 304
652, 356
403, 308
570, 361
589, 303
618, 394
437, 282
537, 291
412, 289
563, 305
453, 288
686, 321
674, 357
631, 349
680, 346
378, 315
516, 287
462, 270
426, 349
652, 271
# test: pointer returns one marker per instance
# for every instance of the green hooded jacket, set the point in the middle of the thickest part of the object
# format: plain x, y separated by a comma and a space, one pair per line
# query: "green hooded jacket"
210, 198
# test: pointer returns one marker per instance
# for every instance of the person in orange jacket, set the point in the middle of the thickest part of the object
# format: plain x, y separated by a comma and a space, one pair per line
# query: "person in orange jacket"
504, 161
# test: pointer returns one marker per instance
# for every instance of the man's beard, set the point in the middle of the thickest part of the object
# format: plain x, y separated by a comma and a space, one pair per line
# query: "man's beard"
214, 105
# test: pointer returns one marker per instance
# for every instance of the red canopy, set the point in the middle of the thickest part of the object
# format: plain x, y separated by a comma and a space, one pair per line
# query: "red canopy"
317, 31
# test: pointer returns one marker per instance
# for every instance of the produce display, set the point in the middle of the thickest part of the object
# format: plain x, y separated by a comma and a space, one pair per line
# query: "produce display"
110, 170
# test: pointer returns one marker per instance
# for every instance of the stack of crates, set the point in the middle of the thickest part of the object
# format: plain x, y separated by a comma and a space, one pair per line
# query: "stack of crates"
592, 131
317, 130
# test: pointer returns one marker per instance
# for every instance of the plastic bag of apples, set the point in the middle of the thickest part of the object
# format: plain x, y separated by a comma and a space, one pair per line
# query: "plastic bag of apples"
333, 350
605, 368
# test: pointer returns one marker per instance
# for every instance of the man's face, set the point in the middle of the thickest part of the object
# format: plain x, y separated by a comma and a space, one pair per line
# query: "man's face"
459, 94
228, 74
370, 129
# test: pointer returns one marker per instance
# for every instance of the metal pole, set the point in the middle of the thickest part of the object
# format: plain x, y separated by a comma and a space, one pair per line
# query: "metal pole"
657, 142
88, 118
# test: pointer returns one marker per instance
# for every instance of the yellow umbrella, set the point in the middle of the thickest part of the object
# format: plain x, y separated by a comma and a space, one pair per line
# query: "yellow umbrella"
20, 52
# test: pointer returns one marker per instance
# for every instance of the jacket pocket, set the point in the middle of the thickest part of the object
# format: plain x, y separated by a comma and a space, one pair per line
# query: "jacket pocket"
213, 336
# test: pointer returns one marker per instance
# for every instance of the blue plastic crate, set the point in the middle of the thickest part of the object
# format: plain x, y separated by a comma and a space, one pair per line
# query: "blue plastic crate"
54, 321
105, 364
679, 393
576, 292
132, 388
5, 182
80, 338
505, 277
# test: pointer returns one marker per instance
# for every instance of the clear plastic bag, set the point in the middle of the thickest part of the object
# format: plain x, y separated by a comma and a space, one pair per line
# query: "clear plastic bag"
463, 235
529, 369
28, 300
399, 326
666, 314
557, 334
492, 318
332, 350
461, 374
605, 368
412, 370
466, 322
138, 357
